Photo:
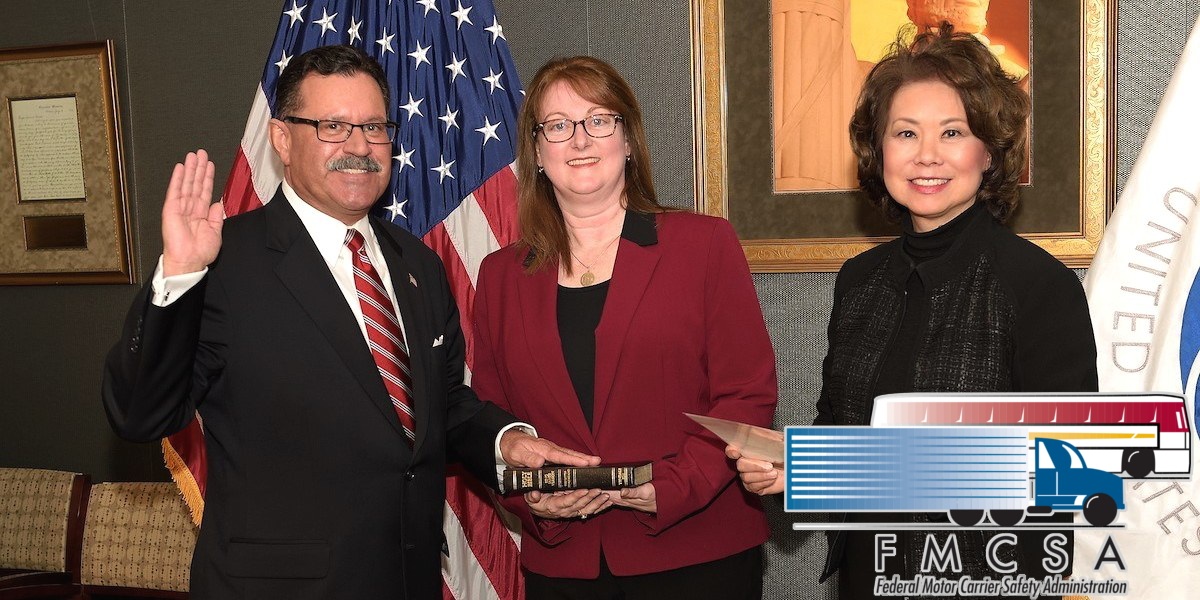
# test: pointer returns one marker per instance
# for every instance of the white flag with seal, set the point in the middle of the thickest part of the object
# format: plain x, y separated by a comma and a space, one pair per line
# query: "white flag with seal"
1144, 293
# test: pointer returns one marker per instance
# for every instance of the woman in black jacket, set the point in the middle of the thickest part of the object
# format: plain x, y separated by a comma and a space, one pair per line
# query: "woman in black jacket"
958, 303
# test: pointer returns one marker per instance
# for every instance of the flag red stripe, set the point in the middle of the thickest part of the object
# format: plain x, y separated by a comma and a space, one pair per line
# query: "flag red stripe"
189, 445
239, 194
496, 198
486, 534
460, 281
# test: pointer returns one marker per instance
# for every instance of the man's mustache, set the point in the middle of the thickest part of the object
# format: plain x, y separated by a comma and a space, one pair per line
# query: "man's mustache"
355, 163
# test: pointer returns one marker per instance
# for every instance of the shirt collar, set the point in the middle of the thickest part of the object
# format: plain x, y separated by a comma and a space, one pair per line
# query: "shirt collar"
640, 228
328, 233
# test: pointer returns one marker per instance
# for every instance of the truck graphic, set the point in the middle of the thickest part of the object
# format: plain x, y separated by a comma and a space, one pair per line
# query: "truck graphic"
969, 472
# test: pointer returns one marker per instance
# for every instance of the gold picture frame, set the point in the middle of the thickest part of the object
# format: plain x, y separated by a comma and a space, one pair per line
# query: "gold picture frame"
1063, 210
64, 216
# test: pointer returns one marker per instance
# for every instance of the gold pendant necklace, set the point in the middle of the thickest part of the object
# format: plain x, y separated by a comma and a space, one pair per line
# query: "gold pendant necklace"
588, 277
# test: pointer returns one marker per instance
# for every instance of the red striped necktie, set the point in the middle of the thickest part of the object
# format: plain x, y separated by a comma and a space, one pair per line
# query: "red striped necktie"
384, 336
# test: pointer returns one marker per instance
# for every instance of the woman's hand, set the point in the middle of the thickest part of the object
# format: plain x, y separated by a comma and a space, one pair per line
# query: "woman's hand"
638, 498
758, 476
570, 504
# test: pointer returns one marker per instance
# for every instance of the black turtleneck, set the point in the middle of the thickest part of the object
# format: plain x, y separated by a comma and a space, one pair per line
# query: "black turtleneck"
921, 249
928, 245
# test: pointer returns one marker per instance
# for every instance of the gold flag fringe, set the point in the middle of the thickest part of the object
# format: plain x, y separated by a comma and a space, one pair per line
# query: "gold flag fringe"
184, 480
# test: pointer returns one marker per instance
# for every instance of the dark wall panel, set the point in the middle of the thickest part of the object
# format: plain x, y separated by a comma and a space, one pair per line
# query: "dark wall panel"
186, 72
54, 337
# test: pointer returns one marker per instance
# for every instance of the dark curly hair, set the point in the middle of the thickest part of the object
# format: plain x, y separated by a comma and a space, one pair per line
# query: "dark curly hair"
997, 112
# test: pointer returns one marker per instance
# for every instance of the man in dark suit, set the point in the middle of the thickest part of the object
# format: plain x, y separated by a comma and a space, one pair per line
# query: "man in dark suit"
324, 480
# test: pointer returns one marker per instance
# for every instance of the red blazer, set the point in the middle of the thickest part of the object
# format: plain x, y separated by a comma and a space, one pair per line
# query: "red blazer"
681, 331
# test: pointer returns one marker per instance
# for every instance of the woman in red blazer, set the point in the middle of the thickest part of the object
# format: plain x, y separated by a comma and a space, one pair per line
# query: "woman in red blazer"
608, 320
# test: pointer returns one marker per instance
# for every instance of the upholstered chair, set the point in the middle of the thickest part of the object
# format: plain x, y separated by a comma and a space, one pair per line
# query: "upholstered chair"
137, 541
41, 522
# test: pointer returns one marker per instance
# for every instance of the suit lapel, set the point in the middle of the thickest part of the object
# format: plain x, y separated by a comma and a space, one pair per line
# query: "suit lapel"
414, 315
631, 276
538, 294
637, 257
318, 294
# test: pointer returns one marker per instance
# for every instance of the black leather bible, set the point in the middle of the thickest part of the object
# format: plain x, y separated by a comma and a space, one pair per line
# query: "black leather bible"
555, 478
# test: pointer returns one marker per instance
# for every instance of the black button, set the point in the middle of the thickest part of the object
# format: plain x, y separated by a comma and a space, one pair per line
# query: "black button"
409, 475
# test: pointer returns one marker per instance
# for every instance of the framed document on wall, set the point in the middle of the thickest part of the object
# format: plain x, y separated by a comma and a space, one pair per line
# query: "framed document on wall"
64, 218
776, 80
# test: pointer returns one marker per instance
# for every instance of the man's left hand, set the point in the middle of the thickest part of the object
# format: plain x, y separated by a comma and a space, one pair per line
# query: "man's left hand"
519, 449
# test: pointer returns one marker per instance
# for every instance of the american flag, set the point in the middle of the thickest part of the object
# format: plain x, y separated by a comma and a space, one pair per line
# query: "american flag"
455, 94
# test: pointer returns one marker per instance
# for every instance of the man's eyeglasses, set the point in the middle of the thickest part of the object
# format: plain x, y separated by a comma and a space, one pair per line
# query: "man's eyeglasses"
599, 125
336, 132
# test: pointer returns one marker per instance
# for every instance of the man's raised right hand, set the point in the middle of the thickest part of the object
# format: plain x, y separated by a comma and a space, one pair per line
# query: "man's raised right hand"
191, 222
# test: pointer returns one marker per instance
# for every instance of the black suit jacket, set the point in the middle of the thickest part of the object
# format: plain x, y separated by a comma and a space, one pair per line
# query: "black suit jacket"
1001, 315
312, 490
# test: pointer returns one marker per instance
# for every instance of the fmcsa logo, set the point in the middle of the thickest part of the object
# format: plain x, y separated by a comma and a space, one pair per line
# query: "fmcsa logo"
997, 461
941, 568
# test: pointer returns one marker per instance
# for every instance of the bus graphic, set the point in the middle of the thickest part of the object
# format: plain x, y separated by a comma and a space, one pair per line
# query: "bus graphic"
1138, 435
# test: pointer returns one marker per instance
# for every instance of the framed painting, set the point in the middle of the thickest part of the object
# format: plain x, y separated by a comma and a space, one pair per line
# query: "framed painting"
63, 213
773, 155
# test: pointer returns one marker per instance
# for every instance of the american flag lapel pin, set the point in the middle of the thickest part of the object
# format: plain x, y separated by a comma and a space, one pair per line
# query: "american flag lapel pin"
412, 280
